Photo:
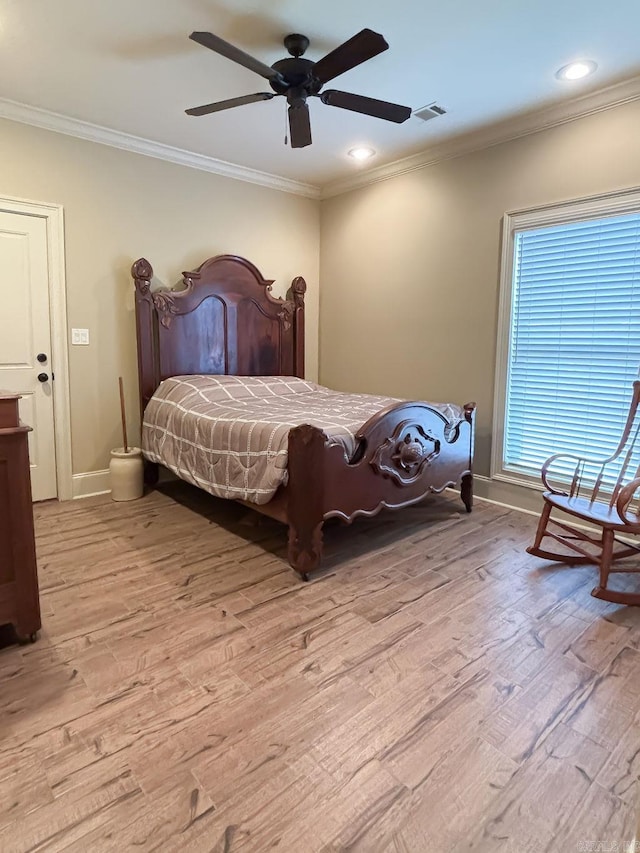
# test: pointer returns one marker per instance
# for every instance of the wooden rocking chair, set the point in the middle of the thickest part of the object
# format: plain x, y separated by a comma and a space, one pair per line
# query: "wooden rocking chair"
602, 494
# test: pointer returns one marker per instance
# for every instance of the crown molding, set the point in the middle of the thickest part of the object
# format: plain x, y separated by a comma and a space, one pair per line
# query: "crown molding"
524, 124
58, 123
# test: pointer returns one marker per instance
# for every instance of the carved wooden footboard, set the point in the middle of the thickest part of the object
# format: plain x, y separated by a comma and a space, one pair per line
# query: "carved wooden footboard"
404, 453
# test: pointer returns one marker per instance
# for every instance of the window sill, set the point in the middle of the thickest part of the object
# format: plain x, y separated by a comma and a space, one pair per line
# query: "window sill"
529, 482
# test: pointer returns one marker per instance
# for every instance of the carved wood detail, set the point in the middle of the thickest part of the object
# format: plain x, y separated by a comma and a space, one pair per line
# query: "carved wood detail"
146, 332
298, 290
405, 454
361, 487
305, 505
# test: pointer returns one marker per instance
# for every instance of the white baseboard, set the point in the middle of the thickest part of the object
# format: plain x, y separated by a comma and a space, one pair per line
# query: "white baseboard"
90, 484
509, 495
93, 483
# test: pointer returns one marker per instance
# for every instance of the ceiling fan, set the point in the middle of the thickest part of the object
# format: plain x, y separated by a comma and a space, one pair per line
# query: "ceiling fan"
298, 79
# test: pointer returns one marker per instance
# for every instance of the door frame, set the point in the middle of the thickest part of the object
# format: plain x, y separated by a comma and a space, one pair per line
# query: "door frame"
53, 214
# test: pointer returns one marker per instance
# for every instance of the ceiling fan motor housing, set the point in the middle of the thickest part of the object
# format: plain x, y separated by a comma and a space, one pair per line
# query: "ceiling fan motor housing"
296, 73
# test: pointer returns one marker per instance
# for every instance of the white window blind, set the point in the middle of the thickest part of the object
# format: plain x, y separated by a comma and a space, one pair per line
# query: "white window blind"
574, 343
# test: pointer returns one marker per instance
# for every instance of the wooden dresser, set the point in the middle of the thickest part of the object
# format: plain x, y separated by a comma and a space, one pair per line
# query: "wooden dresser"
19, 601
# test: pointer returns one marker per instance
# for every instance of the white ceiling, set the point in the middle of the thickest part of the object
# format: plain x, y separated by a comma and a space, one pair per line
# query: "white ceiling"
129, 65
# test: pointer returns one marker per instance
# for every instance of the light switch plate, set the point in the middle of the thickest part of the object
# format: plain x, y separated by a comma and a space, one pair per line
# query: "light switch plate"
80, 337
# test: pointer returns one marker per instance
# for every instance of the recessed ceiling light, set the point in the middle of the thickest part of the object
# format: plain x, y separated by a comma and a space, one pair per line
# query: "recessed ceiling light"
576, 70
361, 154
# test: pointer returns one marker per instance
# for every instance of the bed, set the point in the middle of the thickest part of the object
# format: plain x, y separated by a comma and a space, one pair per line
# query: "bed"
225, 406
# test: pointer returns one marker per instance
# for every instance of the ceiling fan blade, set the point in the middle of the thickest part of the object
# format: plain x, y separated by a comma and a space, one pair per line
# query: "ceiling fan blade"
368, 106
300, 126
206, 109
234, 53
364, 45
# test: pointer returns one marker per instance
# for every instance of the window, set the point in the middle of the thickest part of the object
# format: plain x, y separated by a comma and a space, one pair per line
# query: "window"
569, 334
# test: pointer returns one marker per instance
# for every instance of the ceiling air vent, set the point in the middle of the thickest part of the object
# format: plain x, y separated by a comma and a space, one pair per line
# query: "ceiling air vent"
430, 111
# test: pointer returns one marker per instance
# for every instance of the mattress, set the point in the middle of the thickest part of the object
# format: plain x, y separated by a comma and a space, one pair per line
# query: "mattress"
229, 435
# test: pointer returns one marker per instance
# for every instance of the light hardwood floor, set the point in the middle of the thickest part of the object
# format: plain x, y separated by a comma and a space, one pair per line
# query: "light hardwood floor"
433, 689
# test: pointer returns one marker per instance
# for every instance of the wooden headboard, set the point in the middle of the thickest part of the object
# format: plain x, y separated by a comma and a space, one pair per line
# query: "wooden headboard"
225, 320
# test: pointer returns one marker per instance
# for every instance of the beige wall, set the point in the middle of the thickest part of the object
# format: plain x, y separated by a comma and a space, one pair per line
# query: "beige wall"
119, 206
410, 266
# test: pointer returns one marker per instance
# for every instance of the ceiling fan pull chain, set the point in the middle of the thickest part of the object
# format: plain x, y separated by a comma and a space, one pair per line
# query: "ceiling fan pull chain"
286, 125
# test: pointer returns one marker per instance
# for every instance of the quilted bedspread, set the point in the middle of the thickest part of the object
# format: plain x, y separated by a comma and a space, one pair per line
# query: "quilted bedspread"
229, 434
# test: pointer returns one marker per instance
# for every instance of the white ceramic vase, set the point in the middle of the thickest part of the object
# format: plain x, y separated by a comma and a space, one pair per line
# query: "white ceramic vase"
126, 474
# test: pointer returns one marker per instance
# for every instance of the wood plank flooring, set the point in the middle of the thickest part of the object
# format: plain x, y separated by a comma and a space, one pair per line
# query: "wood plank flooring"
434, 688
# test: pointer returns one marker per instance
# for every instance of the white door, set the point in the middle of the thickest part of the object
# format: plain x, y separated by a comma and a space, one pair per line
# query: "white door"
25, 339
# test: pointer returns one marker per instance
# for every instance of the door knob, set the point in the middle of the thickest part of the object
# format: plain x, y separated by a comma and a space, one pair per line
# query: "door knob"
42, 357
43, 377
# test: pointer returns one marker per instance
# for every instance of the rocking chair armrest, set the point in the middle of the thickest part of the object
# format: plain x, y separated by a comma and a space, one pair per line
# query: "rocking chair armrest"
625, 497
545, 468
